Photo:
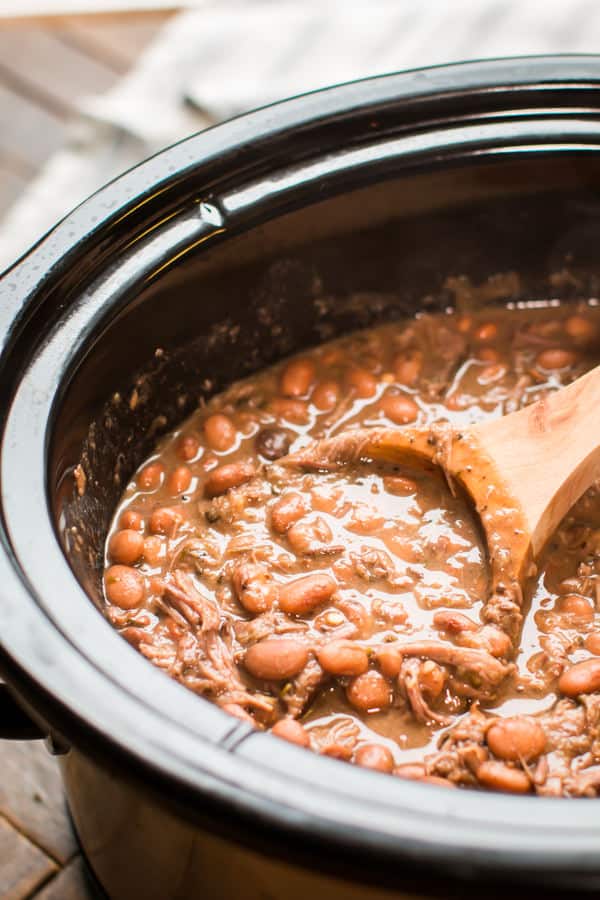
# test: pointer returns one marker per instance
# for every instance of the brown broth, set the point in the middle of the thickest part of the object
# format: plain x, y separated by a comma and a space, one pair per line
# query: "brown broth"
398, 544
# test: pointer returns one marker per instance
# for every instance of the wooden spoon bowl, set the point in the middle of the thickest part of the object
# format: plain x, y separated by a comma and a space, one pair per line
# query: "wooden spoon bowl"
523, 472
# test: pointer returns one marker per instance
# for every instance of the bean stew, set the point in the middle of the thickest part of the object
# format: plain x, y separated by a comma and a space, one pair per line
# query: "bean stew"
343, 608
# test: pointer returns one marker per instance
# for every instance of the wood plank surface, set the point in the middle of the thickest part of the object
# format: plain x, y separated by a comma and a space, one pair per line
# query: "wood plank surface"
32, 799
23, 866
71, 883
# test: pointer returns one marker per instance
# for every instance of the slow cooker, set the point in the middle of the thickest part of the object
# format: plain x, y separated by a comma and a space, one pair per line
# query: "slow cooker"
237, 246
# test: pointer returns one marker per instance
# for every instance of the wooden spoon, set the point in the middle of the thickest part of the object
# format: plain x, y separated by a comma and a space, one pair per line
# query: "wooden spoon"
523, 472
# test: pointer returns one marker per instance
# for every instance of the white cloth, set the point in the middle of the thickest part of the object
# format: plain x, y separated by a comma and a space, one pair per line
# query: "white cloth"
228, 56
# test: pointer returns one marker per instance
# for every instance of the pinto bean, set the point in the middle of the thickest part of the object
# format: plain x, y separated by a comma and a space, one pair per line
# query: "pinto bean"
499, 777
411, 771
581, 678
272, 443
220, 432
179, 480
486, 332
516, 738
290, 409
369, 691
276, 659
407, 367
325, 395
390, 661
292, 731
398, 408
228, 476
374, 756
187, 446
302, 595
254, 587
592, 643
297, 377
312, 537
578, 607
131, 518
126, 546
337, 750
488, 355
287, 510
579, 328
124, 586
150, 477
343, 658
555, 358
165, 520
361, 381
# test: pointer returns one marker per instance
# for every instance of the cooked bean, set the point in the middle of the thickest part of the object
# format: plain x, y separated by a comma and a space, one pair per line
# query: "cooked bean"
592, 643
292, 731
272, 443
287, 510
495, 641
124, 586
411, 771
297, 377
374, 756
220, 432
254, 587
228, 476
132, 519
337, 750
326, 395
487, 331
390, 661
369, 691
555, 358
276, 659
150, 477
187, 446
302, 595
179, 480
578, 607
153, 547
290, 409
407, 367
165, 520
432, 679
581, 678
399, 484
488, 355
311, 537
398, 408
126, 546
516, 738
343, 658
361, 381
579, 328
499, 777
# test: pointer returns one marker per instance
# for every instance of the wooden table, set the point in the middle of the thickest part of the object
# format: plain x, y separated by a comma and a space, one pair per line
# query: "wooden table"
45, 68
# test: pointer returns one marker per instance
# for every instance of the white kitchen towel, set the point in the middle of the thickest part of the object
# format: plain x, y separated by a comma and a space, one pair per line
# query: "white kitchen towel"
228, 56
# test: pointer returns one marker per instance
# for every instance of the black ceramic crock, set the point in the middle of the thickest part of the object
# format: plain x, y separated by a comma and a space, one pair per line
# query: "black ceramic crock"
273, 231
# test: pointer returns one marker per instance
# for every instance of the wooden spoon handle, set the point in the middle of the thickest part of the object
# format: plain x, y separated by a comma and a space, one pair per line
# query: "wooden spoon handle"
547, 454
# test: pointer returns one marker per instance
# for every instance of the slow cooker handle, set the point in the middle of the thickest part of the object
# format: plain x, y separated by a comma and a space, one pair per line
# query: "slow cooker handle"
15, 724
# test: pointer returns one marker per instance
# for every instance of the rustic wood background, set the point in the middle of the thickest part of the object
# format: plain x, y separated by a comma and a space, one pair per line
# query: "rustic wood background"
45, 68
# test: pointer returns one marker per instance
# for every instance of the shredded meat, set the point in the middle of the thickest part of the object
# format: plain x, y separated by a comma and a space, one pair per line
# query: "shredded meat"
409, 679
298, 694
